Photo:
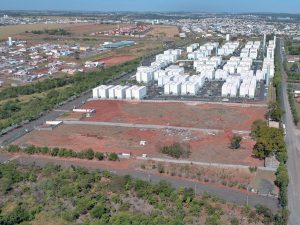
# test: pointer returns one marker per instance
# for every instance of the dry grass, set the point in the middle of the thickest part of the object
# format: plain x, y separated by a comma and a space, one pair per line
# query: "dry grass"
163, 30
80, 29
15, 30
272, 94
75, 29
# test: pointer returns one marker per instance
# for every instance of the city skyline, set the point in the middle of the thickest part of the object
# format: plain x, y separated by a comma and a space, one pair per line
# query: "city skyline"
230, 6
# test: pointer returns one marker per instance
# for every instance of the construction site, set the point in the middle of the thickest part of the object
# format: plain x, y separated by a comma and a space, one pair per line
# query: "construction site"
142, 128
198, 97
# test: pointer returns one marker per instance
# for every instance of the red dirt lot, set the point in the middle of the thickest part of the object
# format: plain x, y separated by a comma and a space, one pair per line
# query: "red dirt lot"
204, 147
208, 116
115, 60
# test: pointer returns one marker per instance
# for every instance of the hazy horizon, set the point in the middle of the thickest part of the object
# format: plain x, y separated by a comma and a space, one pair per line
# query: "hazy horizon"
213, 6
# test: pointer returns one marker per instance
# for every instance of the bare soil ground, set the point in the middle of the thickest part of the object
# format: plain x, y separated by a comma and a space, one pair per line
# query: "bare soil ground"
167, 31
204, 147
118, 59
208, 116
80, 29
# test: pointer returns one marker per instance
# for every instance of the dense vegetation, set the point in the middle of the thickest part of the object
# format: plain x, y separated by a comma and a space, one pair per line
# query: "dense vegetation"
293, 48
64, 153
177, 150
293, 106
292, 71
53, 195
58, 32
270, 142
275, 112
55, 91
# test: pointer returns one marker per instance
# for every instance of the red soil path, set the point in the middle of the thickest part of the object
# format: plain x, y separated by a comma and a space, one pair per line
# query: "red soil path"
115, 60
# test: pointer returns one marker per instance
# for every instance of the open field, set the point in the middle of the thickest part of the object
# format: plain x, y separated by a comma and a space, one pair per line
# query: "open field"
204, 147
75, 29
16, 30
207, 116
118, 59
86, 29
164, 30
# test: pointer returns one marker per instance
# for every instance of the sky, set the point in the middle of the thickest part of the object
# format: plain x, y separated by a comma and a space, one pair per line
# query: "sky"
231, 6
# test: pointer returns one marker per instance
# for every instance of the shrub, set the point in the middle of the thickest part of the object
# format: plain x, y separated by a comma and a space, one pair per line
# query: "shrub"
87, 154
113, 157
235, 142
13, 148
161, 168
99, 156
176, 150
253, 169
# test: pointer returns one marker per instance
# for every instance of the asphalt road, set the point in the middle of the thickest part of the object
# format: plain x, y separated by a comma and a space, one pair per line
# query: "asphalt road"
230, 195
293, 146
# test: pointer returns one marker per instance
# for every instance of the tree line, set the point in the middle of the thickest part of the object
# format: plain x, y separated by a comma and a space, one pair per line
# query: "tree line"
64, 153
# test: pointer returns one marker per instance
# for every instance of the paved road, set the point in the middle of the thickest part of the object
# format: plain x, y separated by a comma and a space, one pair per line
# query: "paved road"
293, 146
230, 195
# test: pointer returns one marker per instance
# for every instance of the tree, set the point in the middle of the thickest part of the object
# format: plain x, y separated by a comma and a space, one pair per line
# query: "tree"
98, 211
262, 149
176, 150
99, 156
282, 216
113, 157
274, 112
235, 142
257, 127
282, 181
294, 67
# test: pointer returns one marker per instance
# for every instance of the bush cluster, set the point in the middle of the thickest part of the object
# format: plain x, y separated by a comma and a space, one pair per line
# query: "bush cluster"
293, 108
176, 150
64, 153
